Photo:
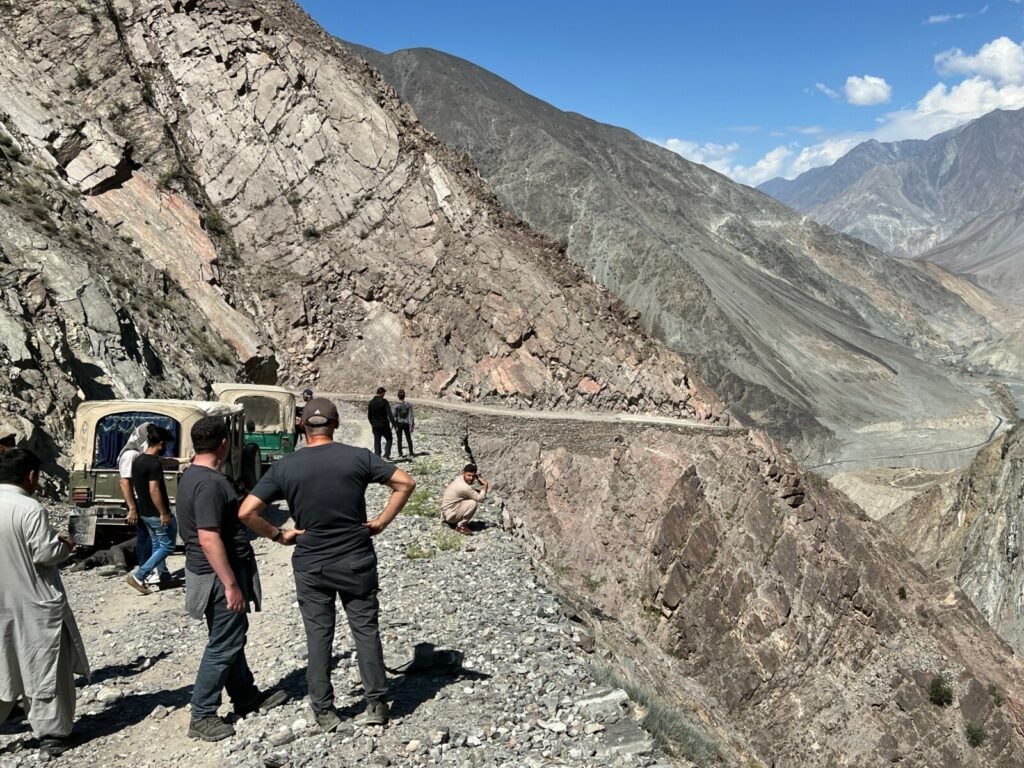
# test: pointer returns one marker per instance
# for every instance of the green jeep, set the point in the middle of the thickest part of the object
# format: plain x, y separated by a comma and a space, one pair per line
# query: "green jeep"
269, 417
102, 428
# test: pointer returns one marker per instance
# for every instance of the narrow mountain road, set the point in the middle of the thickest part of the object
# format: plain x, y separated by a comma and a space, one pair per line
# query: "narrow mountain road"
976, 446
580, 416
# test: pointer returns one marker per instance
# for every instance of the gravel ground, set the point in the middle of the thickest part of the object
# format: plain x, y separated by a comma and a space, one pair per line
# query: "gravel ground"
500, 679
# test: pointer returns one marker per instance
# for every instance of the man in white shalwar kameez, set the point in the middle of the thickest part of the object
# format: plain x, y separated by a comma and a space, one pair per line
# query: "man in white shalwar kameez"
40, 646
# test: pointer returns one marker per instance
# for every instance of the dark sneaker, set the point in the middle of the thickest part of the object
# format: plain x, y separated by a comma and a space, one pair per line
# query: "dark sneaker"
376, 713
263, 702
327, 719
210, 728
137, 585
54, 746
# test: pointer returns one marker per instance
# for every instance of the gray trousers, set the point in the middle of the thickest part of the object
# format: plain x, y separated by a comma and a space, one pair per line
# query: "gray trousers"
52, 717
355, 582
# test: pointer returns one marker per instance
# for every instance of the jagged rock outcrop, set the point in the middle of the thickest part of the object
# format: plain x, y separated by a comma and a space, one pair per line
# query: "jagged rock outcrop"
796, 327
953, 199
971, 529
790, 627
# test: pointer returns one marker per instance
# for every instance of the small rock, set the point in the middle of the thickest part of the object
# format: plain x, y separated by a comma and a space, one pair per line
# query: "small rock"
413, 746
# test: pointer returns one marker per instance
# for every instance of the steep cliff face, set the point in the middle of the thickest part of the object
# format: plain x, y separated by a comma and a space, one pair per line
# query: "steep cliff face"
271, 204
970, 530
84, 314
789, 626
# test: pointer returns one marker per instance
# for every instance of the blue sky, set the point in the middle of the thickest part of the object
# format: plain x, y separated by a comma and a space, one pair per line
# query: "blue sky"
754, 89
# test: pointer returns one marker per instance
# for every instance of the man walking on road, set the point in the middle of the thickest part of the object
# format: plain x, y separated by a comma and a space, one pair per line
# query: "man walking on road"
42, 647
221, 581
154, 507
378, 412
325, 486
459, 501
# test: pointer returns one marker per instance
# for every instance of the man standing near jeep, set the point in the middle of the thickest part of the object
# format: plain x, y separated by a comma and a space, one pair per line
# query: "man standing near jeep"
153, 504
221, 582
325, 486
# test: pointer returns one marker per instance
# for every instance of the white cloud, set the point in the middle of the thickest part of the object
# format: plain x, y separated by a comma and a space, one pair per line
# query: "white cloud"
943, 18
768, 167
716, 156
867, 90
1001, 60
826, 90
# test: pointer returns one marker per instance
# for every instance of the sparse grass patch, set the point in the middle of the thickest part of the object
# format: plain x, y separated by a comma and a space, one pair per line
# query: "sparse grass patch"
593, 583
975, 734
939, 692
448, 541
311, 233
425, 466
674, 732
416, 552
420, 504
82, 79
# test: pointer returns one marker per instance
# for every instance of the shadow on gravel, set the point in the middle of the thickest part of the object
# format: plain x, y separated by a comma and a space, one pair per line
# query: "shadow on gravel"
140, 664
127, 712
430, 670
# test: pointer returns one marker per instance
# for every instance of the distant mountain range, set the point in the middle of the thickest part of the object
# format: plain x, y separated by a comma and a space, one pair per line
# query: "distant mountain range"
954, 199
801, 329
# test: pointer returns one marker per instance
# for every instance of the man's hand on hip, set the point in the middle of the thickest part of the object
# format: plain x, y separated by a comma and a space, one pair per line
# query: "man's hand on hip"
376, 526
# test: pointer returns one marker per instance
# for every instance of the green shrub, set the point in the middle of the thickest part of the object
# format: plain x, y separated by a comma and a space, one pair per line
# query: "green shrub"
416, 552
215, 223
902, 593
592, 583
82, 79
939, 692
425, 466
311, 233
975, 734
448, 541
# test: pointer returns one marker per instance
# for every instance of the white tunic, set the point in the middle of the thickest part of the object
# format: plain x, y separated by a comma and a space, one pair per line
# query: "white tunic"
33, 605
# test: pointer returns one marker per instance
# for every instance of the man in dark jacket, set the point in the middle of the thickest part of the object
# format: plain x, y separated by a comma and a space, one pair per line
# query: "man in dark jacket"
379, 414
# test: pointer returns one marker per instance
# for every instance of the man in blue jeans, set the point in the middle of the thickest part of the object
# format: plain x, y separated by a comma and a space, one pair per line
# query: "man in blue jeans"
153, 504
221, 581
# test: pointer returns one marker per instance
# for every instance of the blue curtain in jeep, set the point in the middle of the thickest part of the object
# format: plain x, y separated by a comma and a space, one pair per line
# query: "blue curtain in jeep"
113, 432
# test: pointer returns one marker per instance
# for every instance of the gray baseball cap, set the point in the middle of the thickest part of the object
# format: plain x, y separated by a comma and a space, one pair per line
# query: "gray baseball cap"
319, 411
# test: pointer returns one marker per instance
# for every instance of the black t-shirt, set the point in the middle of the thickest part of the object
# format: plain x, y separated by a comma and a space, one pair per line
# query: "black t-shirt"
145, 468
378, 411
325, 487
206, 499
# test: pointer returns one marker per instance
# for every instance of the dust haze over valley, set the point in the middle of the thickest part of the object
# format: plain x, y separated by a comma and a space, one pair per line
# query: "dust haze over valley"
657, 366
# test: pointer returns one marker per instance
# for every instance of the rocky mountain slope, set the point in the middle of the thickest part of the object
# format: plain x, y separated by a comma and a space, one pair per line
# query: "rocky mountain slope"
193, 190
969, 529
950, 199
800, 329
754, 599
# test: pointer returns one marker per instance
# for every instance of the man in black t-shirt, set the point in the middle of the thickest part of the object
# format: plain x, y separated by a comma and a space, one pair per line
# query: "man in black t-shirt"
325, 486
221, 580
154, 507
378, 413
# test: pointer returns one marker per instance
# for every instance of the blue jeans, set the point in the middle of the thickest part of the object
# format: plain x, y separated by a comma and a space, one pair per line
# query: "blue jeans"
223, 664
143, 544
163, 538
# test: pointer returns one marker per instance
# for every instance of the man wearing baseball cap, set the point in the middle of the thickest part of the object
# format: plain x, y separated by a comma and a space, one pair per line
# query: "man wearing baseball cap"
325, 487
